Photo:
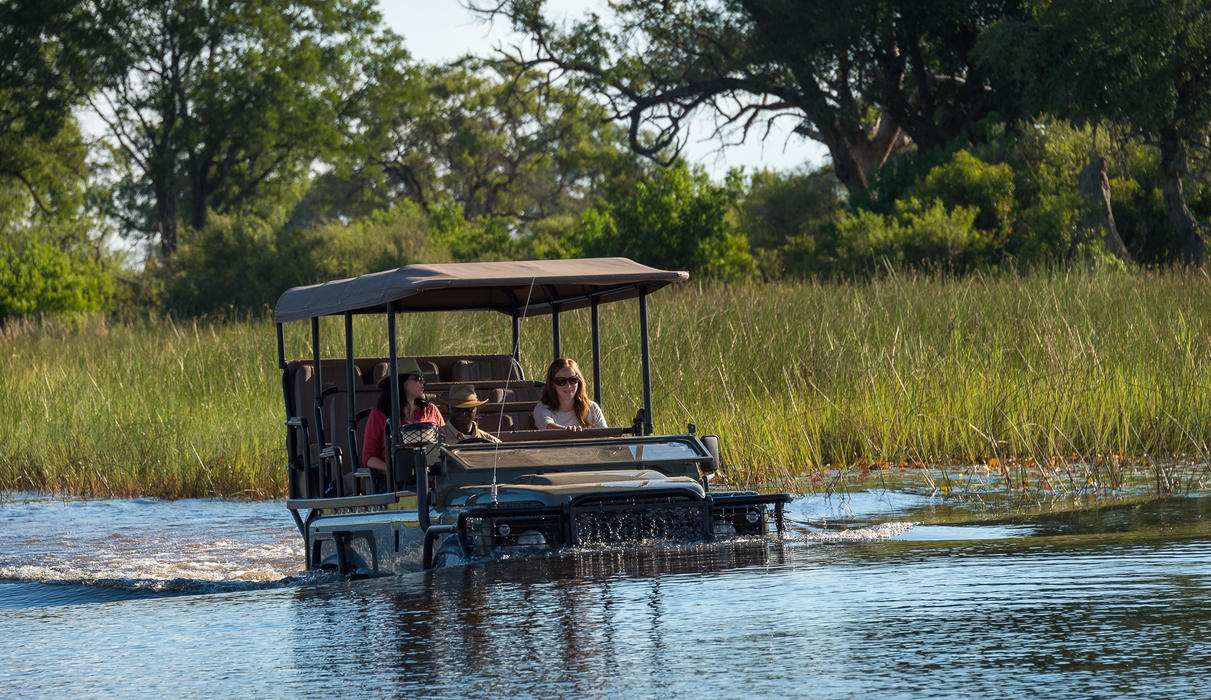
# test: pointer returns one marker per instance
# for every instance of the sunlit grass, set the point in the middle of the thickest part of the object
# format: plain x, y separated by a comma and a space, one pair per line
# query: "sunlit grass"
1061, 381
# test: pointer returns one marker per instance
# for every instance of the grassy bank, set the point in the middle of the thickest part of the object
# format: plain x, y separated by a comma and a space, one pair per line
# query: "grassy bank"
1024, 375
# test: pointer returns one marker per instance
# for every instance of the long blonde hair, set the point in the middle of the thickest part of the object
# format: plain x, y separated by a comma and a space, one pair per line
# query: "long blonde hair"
580, 402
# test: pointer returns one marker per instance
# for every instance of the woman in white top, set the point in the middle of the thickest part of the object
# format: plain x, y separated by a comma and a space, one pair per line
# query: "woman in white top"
564, 404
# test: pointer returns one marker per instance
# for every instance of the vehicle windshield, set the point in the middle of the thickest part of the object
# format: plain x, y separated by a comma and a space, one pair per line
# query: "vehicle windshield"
644, 451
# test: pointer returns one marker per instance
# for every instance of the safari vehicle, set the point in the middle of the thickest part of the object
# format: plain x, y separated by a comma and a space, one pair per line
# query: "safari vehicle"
536, 490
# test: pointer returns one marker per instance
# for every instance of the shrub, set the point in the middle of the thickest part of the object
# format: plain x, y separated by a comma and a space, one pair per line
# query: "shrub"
678, 219
39, 278
781, 214
967, 181
244, 263
379, 241
918, 235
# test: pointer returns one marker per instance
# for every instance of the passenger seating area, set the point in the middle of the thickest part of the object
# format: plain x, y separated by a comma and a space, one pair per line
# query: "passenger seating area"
497, 378
489, 374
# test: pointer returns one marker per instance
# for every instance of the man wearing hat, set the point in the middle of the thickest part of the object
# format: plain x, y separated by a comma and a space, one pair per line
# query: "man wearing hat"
464, 409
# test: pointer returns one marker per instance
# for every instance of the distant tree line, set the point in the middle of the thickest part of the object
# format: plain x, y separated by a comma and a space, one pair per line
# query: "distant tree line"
197, 157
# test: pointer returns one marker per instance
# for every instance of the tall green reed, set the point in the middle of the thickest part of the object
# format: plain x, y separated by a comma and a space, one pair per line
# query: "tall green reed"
1018, 373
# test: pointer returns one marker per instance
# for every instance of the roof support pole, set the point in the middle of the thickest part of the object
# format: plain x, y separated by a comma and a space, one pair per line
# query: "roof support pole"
316, 487
319, 382
351, 427
292, 486
393, 370
555, 331
282, 365
647, 375
596, 351
517, 337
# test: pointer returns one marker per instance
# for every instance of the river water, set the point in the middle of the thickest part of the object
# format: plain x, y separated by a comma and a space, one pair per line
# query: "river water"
881, 592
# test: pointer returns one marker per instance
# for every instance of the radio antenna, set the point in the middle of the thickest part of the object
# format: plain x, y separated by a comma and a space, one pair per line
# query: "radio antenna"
516, 353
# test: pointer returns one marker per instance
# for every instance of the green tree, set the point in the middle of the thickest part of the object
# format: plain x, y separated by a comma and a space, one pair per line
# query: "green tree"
862, 78
52, 54
1143, 64
226, 102
967, 181
51, 241
242, 262
38, 278
676, 219
917, 234
484, 137
782, 214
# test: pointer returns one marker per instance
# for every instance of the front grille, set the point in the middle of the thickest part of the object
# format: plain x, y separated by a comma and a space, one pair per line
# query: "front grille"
482, 533
610, 523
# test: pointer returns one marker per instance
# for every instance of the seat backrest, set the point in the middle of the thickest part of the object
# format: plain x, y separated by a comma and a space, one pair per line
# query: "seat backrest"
382, 368
520, 413
481, 368
300, 400
301, 380
336, 418
522, 420
304, 381
518, 392
495, 422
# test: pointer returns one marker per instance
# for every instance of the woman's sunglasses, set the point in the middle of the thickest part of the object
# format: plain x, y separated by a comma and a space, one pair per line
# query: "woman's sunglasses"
564, 381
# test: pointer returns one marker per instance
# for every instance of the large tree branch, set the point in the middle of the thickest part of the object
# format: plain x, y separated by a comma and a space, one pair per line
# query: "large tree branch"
29, 186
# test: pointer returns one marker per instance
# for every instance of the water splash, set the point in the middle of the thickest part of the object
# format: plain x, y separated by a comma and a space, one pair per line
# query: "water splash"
150, 546
870, 533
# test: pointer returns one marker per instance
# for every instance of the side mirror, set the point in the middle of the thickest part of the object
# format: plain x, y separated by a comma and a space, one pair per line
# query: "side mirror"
712, 445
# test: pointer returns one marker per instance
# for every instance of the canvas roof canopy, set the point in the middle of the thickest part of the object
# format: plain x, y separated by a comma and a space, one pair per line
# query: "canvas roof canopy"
525, 288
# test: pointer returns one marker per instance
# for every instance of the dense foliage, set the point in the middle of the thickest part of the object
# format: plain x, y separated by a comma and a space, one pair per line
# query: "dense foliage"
240, 148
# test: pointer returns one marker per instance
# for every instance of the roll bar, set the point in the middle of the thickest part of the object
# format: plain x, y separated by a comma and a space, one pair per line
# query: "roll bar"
317, 487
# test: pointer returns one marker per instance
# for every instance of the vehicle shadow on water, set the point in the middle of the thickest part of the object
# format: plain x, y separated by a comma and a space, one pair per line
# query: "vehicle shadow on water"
486, 629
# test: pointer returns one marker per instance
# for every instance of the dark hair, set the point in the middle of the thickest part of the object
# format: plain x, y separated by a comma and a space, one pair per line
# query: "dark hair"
384, 396
580, 402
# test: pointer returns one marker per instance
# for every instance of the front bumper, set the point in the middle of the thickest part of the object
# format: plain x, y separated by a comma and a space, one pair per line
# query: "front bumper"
605, 519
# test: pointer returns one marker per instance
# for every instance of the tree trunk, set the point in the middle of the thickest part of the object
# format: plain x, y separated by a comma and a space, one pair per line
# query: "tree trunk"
161, 176
167, 215
1173, 169
198, 204
1093, 182
856, 156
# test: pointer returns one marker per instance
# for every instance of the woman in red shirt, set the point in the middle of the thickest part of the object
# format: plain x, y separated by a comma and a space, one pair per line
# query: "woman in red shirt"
413, 408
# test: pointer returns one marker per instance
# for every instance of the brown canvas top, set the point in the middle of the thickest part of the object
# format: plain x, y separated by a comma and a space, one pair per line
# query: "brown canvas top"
528, 288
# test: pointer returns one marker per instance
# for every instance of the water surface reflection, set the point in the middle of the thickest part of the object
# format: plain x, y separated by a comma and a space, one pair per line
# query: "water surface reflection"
1071, 616
1106, 602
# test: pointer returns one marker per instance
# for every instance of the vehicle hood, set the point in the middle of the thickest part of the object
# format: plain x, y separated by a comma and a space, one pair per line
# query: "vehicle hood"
555, 488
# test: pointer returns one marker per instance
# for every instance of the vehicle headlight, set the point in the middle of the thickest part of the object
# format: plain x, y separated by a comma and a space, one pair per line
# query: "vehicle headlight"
532, 538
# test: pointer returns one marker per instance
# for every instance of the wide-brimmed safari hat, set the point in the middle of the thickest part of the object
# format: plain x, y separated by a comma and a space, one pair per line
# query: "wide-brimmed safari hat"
406, 366
463, 396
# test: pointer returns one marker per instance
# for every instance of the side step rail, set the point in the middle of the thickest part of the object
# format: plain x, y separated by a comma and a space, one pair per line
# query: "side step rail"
431, 536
